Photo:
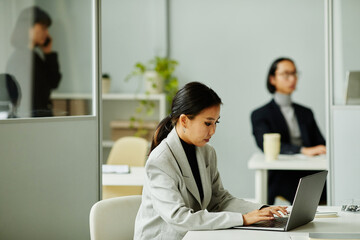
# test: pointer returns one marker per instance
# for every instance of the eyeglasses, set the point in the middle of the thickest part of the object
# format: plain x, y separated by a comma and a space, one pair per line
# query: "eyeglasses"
287, 75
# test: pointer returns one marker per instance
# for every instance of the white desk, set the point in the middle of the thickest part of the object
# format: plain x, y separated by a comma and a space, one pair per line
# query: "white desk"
345, 223
136, 177
285, 162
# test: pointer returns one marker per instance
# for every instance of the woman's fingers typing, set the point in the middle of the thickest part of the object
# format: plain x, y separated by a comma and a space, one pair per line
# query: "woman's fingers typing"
276, 210
267, 213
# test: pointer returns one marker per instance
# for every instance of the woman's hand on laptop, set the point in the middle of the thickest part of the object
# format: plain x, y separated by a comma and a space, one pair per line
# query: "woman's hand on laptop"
266, 213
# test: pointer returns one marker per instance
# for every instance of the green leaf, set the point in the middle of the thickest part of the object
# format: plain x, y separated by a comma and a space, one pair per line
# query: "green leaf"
139, 109
141, 67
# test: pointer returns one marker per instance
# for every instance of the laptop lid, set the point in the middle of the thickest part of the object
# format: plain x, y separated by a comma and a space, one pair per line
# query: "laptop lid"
306, 200
305, 203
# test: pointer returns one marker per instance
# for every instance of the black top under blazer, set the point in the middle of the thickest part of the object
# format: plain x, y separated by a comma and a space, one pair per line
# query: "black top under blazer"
269, 119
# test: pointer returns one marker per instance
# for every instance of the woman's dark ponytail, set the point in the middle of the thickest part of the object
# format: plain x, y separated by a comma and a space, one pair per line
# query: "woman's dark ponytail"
162, 130
189, 100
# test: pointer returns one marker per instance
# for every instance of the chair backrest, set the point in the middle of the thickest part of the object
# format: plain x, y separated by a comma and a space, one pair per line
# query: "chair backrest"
114, 218
129, 150
10, 95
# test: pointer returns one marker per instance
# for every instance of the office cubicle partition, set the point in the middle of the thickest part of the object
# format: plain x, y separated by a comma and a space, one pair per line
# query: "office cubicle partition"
49, 166
342, 56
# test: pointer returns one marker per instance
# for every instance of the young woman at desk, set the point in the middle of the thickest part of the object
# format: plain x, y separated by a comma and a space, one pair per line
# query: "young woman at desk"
183, 190
295, 123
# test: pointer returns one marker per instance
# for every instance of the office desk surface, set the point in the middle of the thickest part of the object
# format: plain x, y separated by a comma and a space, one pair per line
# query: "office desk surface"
344, 223
134, 178
258, 163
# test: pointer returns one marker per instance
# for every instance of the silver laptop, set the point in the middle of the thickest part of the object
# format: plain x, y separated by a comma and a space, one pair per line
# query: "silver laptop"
304, 207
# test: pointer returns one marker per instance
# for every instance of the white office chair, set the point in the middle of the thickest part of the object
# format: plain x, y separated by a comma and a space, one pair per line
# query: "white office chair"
129, 150
114, 218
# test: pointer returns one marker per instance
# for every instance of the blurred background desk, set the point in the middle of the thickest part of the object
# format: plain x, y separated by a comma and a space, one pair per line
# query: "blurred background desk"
346, 223
285, 162
115, 185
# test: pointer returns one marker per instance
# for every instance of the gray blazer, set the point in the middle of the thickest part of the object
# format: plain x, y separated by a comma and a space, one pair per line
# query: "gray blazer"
171, 203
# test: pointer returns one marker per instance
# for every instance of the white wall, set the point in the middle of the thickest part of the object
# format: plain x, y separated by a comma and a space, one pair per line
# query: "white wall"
229, 45
132, 31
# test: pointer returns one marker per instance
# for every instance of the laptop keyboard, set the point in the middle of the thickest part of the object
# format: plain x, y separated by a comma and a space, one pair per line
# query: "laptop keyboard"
279, 222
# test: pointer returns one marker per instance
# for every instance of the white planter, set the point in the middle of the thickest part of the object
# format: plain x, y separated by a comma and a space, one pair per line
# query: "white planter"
105, 85
154, 83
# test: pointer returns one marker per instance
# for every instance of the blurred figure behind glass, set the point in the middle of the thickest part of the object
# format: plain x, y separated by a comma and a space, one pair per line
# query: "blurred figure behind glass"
33, 62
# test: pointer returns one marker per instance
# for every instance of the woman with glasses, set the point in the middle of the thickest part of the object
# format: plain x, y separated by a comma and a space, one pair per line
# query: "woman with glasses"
295, 123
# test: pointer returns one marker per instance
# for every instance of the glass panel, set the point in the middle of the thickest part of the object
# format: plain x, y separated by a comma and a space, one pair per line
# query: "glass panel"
346, 36
47, 58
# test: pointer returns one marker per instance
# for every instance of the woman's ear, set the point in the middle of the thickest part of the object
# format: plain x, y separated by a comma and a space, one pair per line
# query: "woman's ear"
272, 80
183, 120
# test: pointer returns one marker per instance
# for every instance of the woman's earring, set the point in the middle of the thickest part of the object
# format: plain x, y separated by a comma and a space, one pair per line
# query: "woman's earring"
184, 129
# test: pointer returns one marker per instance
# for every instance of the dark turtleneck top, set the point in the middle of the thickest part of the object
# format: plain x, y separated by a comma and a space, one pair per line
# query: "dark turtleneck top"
190, 152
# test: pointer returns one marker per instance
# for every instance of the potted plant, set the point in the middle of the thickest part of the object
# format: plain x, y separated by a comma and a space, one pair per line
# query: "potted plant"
158, 76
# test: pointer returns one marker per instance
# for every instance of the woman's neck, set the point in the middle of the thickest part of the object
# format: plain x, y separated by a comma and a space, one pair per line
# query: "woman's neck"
282, 99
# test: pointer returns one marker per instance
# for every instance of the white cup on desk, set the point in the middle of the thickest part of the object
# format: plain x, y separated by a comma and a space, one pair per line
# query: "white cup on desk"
271, 146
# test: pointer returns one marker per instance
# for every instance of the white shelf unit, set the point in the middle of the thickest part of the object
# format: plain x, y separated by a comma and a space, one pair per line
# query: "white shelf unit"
121, 106
160, 98
118, 106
